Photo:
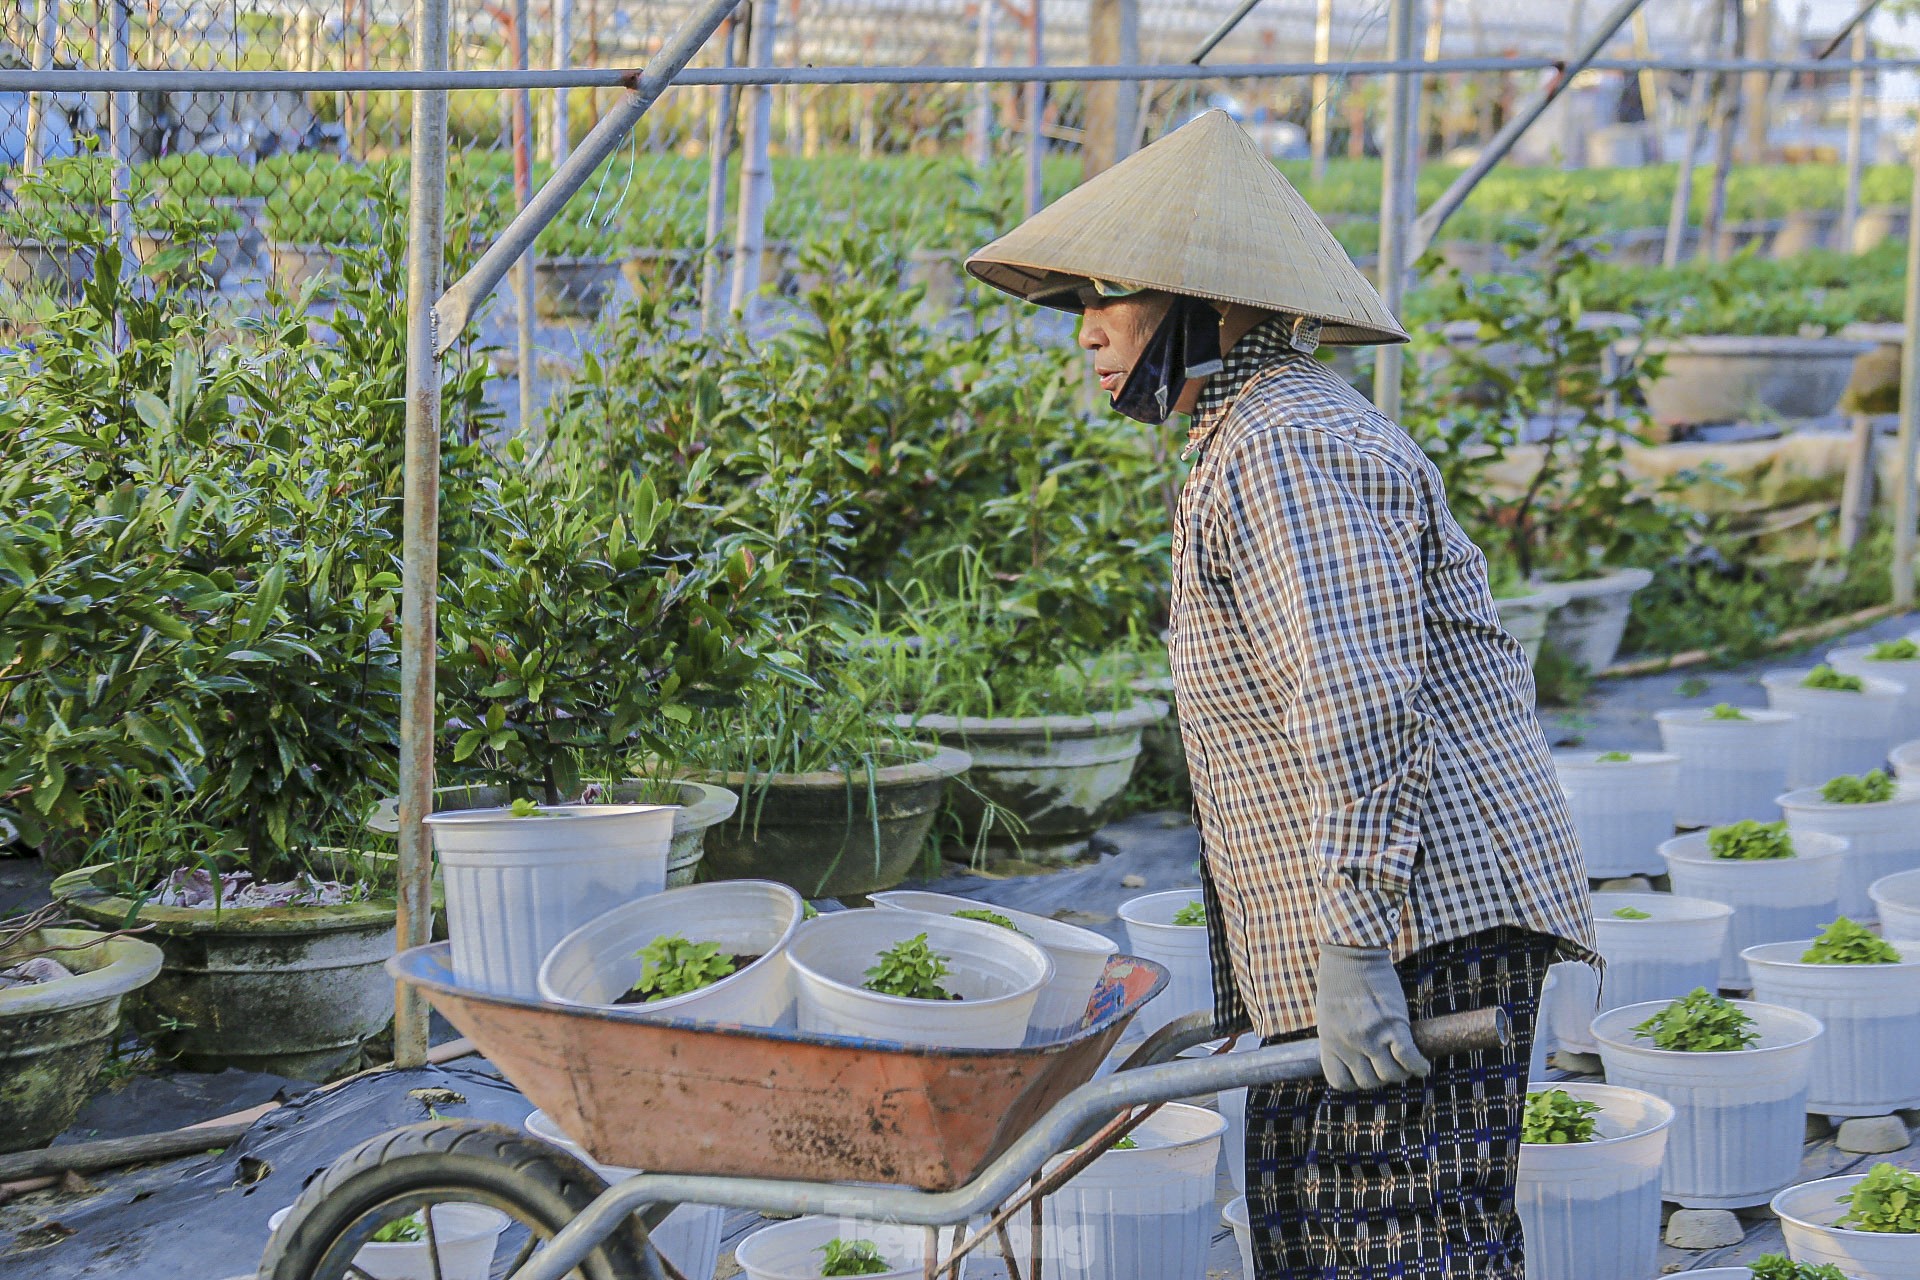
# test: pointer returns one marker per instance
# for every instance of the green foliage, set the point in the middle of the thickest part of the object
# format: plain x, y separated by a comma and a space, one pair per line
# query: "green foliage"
1887, 1200
672, 966
1194, 913
852, 1258
1555, 1116
1699, 1022
1128, 1143
1614, 757
1871, 787
524, 807
1901, 650
408, 1230
1846, 942
986, 917
1778, 1266
1727, 711
1751, 841
1631, 913
1825, 677
911, 969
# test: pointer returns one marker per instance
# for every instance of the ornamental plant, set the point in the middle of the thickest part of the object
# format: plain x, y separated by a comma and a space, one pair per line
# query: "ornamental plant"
1871, 787
1846, 942
852, 1258
986, 917
911, 969
1631, 913
1727, 711
1825, 677
1615, 757
1555, 1117
1749, 840
408, 1230
1902, 650
672, 966
1699, 1022
1777, 1266
1194, 913
1886, 1200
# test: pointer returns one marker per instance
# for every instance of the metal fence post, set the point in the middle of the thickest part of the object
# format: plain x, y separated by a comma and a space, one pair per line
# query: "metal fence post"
1036, 110
719, 145
562, 60
47, 32
1322, 91
1392, 269
1856, 142
523, 192
420, 519
756, 171
980, 124
1903, 494
120, 133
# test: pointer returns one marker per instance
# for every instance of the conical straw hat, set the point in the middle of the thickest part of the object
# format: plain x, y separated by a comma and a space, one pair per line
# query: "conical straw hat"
1200, 212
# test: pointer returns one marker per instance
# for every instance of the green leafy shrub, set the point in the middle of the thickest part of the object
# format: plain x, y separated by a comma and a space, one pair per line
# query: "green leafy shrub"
672, 966
986, 917
1727, 711
1615, 757
852, 1258
911, 969
1699, 1022
1631, 913
1777, 1266
1887, 1200
1901, 650
1194, 913
1871, 787
1554, 1116
1749, 840
408, 1230
1825, 677
1846, 942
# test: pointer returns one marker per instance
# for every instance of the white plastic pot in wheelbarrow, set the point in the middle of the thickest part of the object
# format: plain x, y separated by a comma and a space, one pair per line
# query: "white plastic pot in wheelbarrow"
794, 1250
1729, 769
1882, 837
465, 1236
1573, 1196
996, 973
1180, 948
1621, 809
1807, 1216
688, 1237
515, 886
1858, 660
599, 962
1839, 731
1146, 1213
1739, 1116
1236, 1216
1773, 899
1079, 956
1868, 1062
1897, 898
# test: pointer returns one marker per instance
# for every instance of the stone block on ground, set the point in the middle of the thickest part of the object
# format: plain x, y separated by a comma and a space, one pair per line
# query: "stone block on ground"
1579, 1064
1626, 884
1818, 1127
1873, 1135
1704, 1229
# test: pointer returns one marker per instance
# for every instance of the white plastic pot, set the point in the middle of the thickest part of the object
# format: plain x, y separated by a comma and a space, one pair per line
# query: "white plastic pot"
1568, 1007
1232, 1106
1079, 956
1663, 957
1572, 1196
599, 962
1906, 762
1543, 1027
1621, 810
1868, 1062
1881, 839
1180, 948
1739, 1117
1839, 731
1773, 899
1853, 660
996, 973
465, 1233
792, 1250
516, 886
1897, 898
1235, 1216
1807, 1214
1140, 1214
688, 1237
1729, 769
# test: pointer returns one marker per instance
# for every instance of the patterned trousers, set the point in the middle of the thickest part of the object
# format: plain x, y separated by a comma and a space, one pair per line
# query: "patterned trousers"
1414, 1181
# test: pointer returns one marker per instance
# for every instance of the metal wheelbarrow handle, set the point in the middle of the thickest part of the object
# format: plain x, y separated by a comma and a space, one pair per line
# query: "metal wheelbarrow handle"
1438, 1037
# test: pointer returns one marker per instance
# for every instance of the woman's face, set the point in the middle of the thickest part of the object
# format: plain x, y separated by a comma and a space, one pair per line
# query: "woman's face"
1116, 330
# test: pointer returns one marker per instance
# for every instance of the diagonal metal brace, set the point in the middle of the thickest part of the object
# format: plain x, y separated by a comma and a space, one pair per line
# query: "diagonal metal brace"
456, 306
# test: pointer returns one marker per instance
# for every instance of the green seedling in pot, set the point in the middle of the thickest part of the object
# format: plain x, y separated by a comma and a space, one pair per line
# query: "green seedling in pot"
911, 969
985, 916
1902, 650
1845, 942
672, 966
1699, 1022
1750, 841
1886, 1200
852, 1258
1554, 1117
1778, 1266
1727, 711
525, 808
1126, 1144
1871, 787
1194, 913
1631, 913
408, 1230
1616, 757
1825, 677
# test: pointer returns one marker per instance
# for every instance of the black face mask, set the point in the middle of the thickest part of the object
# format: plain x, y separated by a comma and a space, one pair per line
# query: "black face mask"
1185, 345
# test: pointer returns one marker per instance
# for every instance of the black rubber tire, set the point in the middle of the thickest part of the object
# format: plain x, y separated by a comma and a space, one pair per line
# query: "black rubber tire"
532, 1182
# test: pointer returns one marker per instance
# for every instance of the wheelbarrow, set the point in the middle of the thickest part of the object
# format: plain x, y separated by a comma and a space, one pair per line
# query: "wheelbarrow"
782, 1122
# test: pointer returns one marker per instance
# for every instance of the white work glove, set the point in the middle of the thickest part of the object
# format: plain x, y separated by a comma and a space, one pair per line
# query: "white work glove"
1366, 1038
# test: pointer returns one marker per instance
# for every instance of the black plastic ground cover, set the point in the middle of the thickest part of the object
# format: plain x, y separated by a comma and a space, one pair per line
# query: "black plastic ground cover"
206, 1218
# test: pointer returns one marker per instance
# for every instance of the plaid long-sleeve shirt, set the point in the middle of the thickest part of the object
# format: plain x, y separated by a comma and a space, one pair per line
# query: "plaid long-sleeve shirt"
1367, 768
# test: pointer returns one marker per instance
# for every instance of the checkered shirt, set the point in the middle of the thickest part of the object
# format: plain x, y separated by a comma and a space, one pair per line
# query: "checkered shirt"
1367, 768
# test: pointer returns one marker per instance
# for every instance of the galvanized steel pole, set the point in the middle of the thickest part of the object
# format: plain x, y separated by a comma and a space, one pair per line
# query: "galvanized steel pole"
46, 33
1036, 110
420, 520
1856, 141
522, 193
1392, 269
119, 135
756, 169
1322, 90
719, 147
1903, 494
562, 60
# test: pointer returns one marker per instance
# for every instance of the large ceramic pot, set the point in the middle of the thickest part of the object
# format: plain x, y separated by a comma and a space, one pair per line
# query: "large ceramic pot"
54, 266
293, 263
54, 1035
572, 288
1058, 775
827, 834
1711, 378
1875, 384
290, 990
223, 251
1525, 617
1589, 623
1163, 755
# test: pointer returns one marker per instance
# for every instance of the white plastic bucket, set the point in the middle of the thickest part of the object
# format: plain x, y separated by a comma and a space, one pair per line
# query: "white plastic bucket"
998, 975
1906, 761
1543, 1027
1839, 731
1897, 899
1140, 1214
1881, 839
688, 1237
465, 1233
516, 886
1868, 1062
598, 962
1663, 957
1739, 1117
792, 1250
1621, 810
1235, 1216
1232, 1106
1853, 661
1079, 957
1572, 1196
1571, 1004
1807, 1214
1773, 899
1729, 769
1181, 948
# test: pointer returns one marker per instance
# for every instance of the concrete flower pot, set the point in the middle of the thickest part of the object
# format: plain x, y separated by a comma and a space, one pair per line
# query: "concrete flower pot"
294, 263
52, 266
1622, 810
225, 250
1875, 384
1807, 1216
1868, 1062
1163, 754
1773, 899
1525, 617
1713, 378
290, 990
649, 271
1839, 731
1571, 1196
1729, 769
54, 1035
1881, 838
1588, 625
572, 288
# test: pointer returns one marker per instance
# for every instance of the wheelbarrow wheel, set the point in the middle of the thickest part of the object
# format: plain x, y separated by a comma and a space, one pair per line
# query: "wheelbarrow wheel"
538, 1187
